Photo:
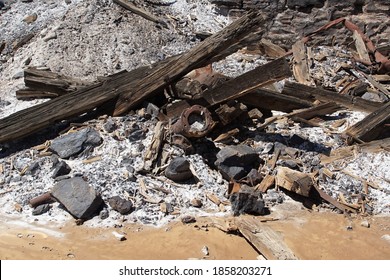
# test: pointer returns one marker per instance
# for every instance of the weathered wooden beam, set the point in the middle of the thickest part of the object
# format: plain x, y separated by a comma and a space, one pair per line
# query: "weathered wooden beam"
372, 126
319, 110
224, 42
311, 93
265, 74
267, 241
33, 119
272, 100
46, 84
294, 181
300, 66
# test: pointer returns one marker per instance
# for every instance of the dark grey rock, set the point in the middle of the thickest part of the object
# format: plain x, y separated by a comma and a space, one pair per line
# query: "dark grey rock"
121, 205
54, 160
232, 172
1, 4
234, 162
33, 168
39, 210
253, 178
74, 143
110, 126
288, 163
61, 169
240, 155
80, 199
4, 103
137, 135
178, 170
247, 201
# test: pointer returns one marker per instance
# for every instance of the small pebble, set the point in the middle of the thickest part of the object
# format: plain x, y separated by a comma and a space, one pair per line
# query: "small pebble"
120, 237
365, 223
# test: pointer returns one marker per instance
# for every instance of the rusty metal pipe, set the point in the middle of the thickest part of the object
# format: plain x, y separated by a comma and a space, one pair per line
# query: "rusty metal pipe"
194, 122
41, 199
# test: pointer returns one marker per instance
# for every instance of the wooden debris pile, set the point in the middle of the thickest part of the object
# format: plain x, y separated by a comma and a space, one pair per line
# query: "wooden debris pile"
191, 102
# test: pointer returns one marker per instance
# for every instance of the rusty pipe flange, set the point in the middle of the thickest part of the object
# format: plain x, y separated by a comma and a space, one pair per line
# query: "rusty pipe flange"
194, 122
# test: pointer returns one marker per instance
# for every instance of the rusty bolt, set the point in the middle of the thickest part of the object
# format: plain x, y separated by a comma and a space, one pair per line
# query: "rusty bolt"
194, 122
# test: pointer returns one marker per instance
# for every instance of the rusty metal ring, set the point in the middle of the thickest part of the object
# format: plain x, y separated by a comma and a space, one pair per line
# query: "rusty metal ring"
194, 122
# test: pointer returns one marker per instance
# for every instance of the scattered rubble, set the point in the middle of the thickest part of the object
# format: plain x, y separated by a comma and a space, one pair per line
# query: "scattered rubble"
199, 117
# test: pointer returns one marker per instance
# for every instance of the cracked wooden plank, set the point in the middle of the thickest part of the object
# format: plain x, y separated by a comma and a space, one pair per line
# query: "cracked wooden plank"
267, 241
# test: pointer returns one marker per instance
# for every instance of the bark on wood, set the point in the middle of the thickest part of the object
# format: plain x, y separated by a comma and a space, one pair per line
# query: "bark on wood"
141, 12
267, 241
311, 93
371, 126
213, 48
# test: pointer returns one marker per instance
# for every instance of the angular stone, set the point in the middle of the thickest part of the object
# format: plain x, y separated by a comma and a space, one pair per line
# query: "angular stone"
109, 126
62, 168
39, 210
232, 172
240, 155
121, 205
74, 143
253, 178
247, 201
80, 199
234, 162
178, 170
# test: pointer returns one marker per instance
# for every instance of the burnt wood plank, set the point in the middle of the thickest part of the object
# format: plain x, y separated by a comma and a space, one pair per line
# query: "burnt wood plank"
312, 93
372, 126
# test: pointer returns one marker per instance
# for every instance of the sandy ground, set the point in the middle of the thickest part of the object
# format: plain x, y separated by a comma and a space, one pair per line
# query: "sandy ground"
310, 235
